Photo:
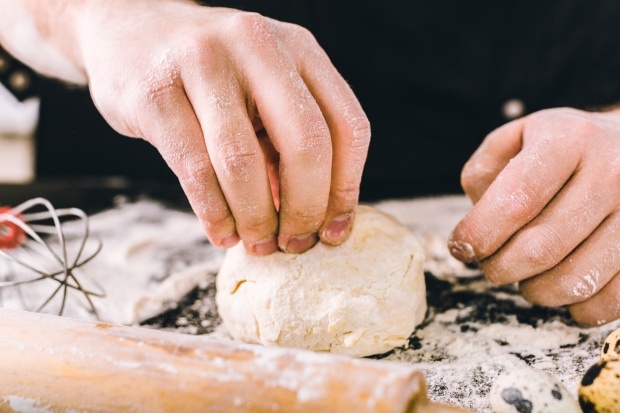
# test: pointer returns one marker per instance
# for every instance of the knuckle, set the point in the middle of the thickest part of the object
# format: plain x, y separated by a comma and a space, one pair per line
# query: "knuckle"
305, 42
197, 51
250, 26
307, 219
315, 136
302, 34
236, 158
566, 123
345, 195
219, 229
156, 89
543, 249
360, 132
530, 290
198, 166
581, 129
517, 205
218, 223
545, 115
199, 182
472, 173
491, 273
257, 227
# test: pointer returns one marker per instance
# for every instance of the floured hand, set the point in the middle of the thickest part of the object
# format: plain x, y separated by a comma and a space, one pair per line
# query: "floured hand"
546, 193
267, 140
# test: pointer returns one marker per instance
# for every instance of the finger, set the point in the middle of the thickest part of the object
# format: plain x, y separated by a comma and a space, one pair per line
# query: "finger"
518, 194
299, 133
178, 137
491, 157
583, 273
602, 308
272, 157
350, 135
237, 157
573, 214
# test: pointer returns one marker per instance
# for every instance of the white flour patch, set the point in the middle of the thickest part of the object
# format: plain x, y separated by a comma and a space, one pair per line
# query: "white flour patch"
20, 404
151, 257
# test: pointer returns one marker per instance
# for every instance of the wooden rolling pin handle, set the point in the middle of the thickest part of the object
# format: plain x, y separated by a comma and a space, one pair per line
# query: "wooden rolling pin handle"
59, 364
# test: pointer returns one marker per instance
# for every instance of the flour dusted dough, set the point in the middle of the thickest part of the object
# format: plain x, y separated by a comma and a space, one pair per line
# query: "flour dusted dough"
361, 298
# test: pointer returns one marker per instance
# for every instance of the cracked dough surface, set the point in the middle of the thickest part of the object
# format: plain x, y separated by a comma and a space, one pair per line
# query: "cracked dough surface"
363, 297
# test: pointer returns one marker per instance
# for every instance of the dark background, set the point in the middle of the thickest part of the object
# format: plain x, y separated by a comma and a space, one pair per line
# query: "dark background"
431, 76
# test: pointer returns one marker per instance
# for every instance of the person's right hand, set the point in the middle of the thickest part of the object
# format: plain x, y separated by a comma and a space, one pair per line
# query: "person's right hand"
546, 210
244, 109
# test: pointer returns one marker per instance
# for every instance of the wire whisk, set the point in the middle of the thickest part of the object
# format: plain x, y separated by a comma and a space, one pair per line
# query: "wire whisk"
42, 244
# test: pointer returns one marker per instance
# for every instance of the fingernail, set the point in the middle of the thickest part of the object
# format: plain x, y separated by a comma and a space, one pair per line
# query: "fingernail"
462, 251
337, 230
265, 246
301, 243
230, 241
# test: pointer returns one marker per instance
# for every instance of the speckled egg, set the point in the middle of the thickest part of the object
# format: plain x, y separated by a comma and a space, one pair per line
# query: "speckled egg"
527, 390
599, 390
611, 346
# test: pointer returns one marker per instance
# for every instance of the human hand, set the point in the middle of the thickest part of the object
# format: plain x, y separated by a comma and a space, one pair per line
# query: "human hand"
247, 111
546, 194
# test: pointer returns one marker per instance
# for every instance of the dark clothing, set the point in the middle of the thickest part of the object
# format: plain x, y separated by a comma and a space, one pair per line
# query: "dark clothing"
431, 76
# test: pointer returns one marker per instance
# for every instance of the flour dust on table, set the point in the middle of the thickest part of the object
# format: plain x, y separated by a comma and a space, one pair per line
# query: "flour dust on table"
158, 270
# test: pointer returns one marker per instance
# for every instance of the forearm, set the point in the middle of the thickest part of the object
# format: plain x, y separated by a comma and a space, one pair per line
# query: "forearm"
43, 35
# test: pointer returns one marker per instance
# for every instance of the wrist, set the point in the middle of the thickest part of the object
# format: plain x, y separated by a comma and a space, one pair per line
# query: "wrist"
43, 36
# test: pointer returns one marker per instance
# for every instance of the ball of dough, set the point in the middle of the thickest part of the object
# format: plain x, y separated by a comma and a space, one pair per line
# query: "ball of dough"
363, 297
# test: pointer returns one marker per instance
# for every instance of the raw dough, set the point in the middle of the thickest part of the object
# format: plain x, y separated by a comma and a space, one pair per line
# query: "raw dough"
361, 298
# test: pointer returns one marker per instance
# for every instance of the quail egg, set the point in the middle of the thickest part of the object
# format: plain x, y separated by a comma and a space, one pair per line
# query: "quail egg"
527, 390
611, 346
599, 390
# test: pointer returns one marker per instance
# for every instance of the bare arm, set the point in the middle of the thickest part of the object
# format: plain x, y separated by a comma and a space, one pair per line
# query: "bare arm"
42, 35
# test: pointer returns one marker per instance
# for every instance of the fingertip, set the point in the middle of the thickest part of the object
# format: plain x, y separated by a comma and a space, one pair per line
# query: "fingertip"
229, 241
584, 318
265, 246
223, 241
602, 308
461, 250
534, 292
298, 244
337, 230
473, 181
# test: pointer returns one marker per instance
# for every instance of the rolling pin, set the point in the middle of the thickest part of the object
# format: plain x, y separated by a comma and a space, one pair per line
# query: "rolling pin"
58, 364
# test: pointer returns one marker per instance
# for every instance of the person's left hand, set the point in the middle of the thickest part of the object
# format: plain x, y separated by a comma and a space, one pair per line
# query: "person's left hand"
546, 194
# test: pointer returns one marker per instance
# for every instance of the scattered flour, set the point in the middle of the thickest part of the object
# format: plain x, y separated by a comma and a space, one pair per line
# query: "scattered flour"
156, 260
152, 256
